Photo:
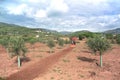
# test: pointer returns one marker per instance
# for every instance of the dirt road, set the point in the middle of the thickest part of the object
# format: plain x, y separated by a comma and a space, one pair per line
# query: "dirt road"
39, 67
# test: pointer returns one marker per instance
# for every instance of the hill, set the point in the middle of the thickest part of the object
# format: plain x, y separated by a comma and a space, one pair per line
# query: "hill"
29, 34
82, 33
12, 28
65, 32
114, 31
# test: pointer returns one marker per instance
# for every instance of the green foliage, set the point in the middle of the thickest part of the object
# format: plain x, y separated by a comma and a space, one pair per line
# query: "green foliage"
81, 36
98, 44
50, 44
10, 29
109, 36
67, 41
15, 46
118, 39
84, 34
5, 41
28, 34
32, 40
18, 46
61, 42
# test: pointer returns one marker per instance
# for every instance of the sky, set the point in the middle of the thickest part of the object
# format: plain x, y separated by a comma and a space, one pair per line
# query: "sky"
62, 15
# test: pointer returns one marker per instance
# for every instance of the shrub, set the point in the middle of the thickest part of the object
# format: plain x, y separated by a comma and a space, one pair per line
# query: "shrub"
61, 42
109, 36
98, 44
67, 41
6, 42
81, 37
51, 44
118, 39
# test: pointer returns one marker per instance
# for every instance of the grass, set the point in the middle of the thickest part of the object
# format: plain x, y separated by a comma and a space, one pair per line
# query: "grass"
2, 78
52, 78
81, 75
54, 70
39, 56
64, 60
58, 71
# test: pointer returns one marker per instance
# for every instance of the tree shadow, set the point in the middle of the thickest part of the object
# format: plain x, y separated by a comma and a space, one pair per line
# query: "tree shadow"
86, 59
85, 51
23, 59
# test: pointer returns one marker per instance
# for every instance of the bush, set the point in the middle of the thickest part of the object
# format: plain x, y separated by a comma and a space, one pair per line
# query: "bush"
32, 40
118, 39
51, 44
109, 36
81, 37
67, 41
61, 42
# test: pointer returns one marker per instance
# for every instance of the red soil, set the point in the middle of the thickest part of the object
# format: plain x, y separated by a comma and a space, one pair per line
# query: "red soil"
65, 64
38, 68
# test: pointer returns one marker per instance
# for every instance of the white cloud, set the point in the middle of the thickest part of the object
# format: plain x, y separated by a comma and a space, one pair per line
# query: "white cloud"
102, 24
40, 14
17, 10
36, 9
29, 11
70, 15
34, 1
89, 7
58, 5
87, 2
95, 2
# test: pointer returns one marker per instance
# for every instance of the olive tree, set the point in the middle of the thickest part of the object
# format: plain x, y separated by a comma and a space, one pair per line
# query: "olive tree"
98, 44
6, 43
51, 44
61, 42
14, 46
18, 48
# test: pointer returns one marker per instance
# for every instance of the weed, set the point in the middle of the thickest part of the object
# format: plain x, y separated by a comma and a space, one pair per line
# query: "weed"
52, 78
64, 60
54, 70
81, 75
2, 78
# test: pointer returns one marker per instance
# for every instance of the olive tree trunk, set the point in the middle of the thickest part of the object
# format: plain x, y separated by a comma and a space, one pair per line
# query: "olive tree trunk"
19, 62
101, 64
